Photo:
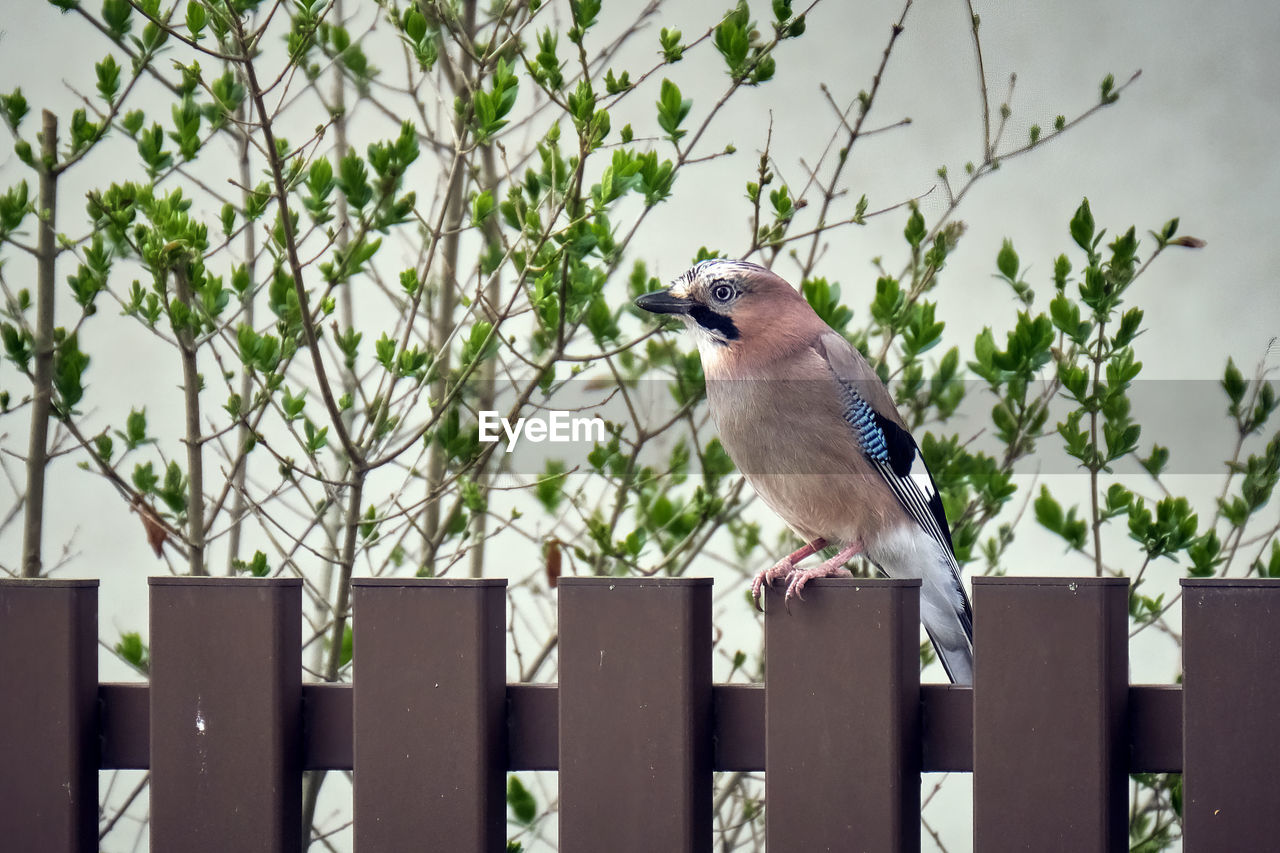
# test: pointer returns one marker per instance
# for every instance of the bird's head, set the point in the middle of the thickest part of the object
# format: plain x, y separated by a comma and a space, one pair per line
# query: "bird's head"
725, 302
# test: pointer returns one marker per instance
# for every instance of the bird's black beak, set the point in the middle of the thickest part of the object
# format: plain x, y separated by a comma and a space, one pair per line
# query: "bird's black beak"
664, 302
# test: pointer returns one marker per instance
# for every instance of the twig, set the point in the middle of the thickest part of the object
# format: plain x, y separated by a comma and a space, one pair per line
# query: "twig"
191, 382
42, 384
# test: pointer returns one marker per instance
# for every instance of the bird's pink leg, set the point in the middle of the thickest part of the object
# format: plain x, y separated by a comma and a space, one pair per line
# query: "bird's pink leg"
783, 567
831, 568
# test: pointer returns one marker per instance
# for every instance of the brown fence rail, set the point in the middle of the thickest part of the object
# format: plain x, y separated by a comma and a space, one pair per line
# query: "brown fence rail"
635, 727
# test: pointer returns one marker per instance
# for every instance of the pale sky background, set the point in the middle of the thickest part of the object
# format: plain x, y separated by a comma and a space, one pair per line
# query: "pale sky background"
1194, 137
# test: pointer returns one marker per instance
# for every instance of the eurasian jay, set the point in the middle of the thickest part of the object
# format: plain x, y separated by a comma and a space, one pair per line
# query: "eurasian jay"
815, 432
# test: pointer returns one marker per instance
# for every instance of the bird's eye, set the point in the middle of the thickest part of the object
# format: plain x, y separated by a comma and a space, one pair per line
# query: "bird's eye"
722, 292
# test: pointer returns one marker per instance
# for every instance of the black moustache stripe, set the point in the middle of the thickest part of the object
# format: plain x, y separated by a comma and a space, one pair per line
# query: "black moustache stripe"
718, 323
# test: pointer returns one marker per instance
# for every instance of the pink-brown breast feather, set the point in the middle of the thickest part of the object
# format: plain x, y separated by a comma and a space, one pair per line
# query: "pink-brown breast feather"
780, 419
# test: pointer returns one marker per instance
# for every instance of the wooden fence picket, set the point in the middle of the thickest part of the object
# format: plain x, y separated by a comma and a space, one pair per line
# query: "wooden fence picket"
49, 715
226, 727
430, 713
635, 715
1231, 713
1049, 714
842, 717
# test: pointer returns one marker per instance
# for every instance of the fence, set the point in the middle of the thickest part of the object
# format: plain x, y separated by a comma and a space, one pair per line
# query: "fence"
635, 727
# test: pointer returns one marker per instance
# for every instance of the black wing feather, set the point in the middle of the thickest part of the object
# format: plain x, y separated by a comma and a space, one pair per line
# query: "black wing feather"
894, 454
903, 452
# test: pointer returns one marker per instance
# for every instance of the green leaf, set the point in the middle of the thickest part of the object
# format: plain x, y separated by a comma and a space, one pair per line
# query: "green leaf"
1048, 511
524, 808
144, 478
672, 50
133, 121
472, 496
1107, 90
616, 85
151, 149
197, 16
385, 350
1007, 261
922, 332
889, 301
108, 78
1155, 463
733, 39
550, 486
69, 365
353, 180
915, 231
824, 297
348, 645
1082, 227
13, 208
369, 524
1271, 568
672, 109
1061, 269
17, 345
1130, 323
1266, 404
1233, 382
415, 25
293, 405
584, 14
1204, 555
133, 651
481, 207
116, 15
257, 566
173, 490
14, 107
1065, 314
135, 428
228, 218
475, 348
490, 108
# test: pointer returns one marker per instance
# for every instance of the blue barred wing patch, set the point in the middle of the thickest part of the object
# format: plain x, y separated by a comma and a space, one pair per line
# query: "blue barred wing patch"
862, 418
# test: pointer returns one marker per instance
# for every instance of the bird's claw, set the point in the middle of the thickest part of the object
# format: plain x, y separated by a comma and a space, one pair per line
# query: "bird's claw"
798, 579
793, 588
784, 568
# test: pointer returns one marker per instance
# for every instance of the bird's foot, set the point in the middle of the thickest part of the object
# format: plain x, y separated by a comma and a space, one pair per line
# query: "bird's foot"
783, 568
833, 568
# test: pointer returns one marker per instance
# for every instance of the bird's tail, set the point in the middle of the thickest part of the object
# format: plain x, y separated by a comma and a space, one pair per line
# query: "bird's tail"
912, 552
948, 619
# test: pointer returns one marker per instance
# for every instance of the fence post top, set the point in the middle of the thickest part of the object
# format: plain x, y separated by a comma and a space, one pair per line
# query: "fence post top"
430, 582
1067, 582
1230, 583
654, 582
189, 580
878, 583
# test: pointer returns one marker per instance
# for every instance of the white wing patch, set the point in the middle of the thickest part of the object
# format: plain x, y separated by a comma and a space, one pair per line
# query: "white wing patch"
915, 492
921, 479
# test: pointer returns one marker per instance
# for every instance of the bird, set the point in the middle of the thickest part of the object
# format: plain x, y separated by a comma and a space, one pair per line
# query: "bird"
814, 430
